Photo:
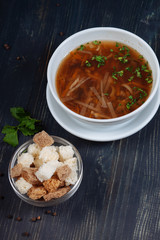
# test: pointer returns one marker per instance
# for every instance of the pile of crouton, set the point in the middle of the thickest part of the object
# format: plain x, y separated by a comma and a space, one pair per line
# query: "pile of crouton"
45, 171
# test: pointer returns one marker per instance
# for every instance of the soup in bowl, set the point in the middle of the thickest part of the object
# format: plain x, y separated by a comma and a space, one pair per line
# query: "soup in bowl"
103, 75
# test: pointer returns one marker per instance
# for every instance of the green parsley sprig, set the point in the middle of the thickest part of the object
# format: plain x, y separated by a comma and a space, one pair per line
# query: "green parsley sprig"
27, 125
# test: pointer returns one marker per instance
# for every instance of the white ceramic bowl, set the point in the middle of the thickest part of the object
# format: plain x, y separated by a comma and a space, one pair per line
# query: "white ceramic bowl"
103, 33
40, 203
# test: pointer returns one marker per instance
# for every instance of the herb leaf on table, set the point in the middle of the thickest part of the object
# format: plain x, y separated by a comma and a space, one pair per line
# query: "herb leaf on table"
27, 126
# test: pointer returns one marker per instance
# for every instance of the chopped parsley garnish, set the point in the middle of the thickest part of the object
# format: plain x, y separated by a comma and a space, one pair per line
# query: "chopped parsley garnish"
142, 92
106, 94
149, 79
138, 73
144, 67
81, 48
117, 44
117, 74
131, 78
120, 73
96, 42
100, 59
140, 56
125, 48
131, 102
123, 59
114, 75
129, 69
111, 50
88, 64
123, 53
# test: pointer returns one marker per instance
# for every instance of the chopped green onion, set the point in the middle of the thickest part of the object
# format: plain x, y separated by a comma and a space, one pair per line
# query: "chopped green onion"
96, 42
131, 78
82, 47
138, 73
88, 64
117, 44
100, 59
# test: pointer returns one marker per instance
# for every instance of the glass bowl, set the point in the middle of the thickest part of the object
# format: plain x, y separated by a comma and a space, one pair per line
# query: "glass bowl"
41, 203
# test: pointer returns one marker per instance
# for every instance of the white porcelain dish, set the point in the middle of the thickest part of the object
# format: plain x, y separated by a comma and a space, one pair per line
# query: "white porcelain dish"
103, 33
102, 133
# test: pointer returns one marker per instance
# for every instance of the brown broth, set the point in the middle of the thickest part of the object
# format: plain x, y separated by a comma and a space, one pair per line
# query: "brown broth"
103, 80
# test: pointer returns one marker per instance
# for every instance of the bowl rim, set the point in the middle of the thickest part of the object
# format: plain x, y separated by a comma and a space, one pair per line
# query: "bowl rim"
52, 202
111, 120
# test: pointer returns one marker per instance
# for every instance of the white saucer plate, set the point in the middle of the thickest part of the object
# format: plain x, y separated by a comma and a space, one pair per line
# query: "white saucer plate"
102, 133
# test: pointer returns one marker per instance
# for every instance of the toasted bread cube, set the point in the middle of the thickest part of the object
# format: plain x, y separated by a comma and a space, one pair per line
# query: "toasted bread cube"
46, 171
29, 175
38, 162
34, 150
57, 194
26, 159
72, 163
22, 185
62, 183
48, 153
43, 139
36, 192
63, 172
52, 184
65, 152
72, 178
16, 170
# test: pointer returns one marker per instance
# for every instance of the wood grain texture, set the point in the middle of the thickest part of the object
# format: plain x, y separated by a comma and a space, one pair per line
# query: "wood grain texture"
119, 198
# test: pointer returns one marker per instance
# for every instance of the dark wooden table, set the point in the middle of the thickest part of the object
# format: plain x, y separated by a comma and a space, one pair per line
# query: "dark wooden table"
119, 198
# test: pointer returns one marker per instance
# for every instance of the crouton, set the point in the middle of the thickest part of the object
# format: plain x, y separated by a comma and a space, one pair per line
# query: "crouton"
16, 170
63, 172
36, 192
43, 139
29, 175
22, 185
57, 194
62, 183
72, 163
26, 159
48, 154
65, 152
52, 184
47, 170
72, 178
34, 150
38, 162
